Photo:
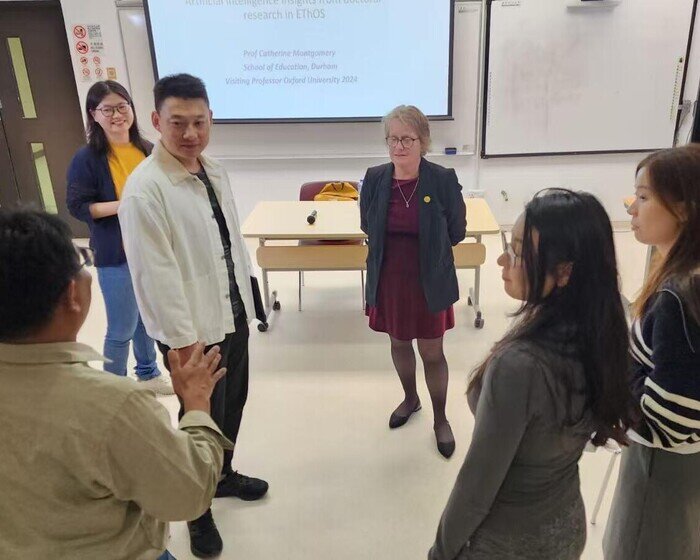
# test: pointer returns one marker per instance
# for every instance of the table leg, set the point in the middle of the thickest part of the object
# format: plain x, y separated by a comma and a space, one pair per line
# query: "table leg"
269, 299
477, 279
475, 293
362, 287
266, 283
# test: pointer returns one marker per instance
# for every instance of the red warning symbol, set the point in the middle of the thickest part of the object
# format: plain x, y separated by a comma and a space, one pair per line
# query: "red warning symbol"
86, 72
96, 60
98, 72
82, 47
83, 60
80, 32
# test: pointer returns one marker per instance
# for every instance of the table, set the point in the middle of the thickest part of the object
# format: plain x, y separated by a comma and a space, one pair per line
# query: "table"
286, 220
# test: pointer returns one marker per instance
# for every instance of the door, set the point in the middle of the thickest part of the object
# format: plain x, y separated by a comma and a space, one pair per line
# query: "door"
9, 194
39, 108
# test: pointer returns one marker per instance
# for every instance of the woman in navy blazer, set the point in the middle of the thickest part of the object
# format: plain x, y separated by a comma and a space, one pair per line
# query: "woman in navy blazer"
413, 212
95, 178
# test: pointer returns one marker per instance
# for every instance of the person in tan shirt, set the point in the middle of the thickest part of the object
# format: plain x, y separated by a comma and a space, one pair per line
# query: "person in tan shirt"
92, 468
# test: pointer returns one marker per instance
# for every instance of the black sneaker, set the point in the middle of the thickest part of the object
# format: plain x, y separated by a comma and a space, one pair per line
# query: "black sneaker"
240, 486
205, 541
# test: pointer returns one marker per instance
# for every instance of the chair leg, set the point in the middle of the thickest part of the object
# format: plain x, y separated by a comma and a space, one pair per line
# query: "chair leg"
603, 487
301, 276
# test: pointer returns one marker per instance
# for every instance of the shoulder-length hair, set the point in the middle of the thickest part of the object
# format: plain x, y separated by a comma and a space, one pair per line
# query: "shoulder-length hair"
96, 137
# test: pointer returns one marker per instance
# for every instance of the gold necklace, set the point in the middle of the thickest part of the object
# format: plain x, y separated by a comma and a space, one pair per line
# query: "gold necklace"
407, 200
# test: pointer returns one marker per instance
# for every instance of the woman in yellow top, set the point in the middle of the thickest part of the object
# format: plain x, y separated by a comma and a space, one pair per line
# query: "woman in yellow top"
96, 179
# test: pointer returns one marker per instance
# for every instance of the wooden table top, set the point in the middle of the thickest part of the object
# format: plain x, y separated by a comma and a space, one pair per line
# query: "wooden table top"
286, 219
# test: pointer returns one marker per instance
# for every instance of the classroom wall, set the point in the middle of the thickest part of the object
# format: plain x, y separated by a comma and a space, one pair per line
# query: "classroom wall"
104, 13
610, 176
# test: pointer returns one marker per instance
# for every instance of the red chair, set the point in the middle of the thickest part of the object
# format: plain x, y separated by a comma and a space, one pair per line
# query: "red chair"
307, 192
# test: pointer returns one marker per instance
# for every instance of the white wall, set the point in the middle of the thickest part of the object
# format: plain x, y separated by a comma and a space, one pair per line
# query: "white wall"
610, 177
102, 12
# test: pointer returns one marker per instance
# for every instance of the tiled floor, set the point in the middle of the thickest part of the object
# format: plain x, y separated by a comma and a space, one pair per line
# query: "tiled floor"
342, 485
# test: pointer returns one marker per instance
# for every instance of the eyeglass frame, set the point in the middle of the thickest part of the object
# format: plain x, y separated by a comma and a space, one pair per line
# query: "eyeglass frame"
113, 108
393, 141
512, 256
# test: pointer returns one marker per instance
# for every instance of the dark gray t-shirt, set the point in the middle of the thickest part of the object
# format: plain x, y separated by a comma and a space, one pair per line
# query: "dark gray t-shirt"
235, 294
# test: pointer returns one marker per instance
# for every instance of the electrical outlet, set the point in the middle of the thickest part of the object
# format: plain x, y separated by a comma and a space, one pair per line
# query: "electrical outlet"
475, 193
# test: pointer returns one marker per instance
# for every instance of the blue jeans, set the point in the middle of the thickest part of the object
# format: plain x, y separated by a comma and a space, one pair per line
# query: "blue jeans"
166, 556
124, 325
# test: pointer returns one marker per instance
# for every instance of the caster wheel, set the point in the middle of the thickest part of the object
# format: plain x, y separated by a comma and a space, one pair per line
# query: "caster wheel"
262, 327
479, 323
469, 301
276, 306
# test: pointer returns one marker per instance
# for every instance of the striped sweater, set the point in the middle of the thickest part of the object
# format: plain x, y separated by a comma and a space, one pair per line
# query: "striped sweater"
665, 345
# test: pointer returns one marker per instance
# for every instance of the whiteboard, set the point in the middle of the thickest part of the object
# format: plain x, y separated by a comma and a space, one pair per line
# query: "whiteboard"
563, 79
319, 140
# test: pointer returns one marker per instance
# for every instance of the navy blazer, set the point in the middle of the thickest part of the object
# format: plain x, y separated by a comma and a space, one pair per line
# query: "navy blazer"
442, 223
90, 181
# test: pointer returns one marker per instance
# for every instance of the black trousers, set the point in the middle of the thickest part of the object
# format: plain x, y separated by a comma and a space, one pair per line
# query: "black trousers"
231, 392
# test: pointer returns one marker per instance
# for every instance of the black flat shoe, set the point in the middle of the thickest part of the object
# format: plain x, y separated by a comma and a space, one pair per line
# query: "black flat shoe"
396, 420
205, 541
446, 448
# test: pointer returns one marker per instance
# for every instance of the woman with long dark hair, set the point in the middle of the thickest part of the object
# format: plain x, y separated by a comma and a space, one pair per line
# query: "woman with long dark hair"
96, 177
656, 508
555, 378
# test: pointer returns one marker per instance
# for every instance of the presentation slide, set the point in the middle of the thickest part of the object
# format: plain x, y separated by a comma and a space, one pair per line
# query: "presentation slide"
308, 59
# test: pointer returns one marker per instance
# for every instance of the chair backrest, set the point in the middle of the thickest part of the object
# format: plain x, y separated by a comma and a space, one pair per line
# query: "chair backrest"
469, 255
309, 190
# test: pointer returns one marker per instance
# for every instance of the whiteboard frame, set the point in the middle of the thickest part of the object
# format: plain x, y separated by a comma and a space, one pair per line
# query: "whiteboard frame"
485, 97
313, 120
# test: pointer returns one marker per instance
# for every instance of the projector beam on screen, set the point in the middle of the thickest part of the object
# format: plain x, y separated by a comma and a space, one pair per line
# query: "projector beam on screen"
308, 60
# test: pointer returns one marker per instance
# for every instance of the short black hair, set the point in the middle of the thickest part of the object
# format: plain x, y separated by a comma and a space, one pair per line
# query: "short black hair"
183, 86
37, 262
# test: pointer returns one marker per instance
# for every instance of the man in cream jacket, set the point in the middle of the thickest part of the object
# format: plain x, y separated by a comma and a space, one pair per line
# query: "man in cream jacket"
190, 267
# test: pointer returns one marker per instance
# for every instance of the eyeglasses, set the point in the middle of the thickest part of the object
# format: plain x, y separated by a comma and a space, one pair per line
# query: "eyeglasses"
512, 257
406, 141
86, 256
108, 110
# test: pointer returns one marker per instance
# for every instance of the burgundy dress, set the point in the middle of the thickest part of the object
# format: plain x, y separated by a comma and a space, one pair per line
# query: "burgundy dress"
401, 309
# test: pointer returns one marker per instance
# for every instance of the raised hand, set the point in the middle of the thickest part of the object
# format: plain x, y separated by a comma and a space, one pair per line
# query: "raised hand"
194, 381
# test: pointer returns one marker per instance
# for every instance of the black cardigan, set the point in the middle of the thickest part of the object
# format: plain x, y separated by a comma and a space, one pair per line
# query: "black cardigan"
442, 224
90, 181
665, 346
